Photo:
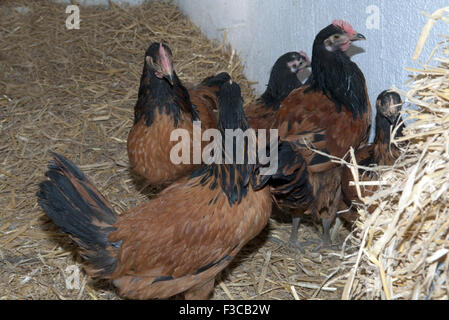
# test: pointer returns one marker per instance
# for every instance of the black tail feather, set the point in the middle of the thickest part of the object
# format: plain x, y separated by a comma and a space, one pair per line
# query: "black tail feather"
79, 209
290, 182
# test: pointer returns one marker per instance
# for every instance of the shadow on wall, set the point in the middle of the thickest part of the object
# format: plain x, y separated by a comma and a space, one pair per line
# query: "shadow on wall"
355, 50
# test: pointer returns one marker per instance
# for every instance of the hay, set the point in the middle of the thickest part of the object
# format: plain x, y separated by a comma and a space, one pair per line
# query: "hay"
73, 91
404, 243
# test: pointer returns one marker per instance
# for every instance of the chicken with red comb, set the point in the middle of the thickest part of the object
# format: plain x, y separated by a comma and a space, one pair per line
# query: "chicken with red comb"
344, 26
329, 114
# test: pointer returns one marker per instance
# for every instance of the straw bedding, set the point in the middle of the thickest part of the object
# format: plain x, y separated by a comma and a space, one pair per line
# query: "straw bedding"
404, 244
73, 92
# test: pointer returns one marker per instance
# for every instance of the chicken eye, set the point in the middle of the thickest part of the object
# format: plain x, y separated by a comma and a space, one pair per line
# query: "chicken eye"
337, 36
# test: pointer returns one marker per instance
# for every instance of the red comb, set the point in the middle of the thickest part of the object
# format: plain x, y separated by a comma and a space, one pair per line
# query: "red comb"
346, 27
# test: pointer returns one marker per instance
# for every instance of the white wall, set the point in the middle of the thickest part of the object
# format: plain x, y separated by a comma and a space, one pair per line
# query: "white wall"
262, 30
101, 2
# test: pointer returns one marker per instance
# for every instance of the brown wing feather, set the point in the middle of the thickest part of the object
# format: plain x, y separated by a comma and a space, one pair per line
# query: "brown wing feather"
311, 119
260, 116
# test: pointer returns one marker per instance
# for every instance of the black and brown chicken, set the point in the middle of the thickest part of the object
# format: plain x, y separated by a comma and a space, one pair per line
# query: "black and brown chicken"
284, 77
164, 105
380, 153
326, 116
175, 243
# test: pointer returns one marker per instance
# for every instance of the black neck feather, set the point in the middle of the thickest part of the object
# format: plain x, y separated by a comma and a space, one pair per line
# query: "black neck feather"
339, 79
279, 87
384, 128
233, 179
157, 94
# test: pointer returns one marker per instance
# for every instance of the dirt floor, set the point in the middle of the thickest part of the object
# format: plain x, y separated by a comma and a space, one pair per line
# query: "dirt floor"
73, 92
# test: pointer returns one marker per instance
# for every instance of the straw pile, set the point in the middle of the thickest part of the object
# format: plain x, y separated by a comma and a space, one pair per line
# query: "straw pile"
73, 92
404, 244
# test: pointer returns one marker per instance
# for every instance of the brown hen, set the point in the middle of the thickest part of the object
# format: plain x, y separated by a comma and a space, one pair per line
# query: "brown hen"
164, 105
175, 243
330, 113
